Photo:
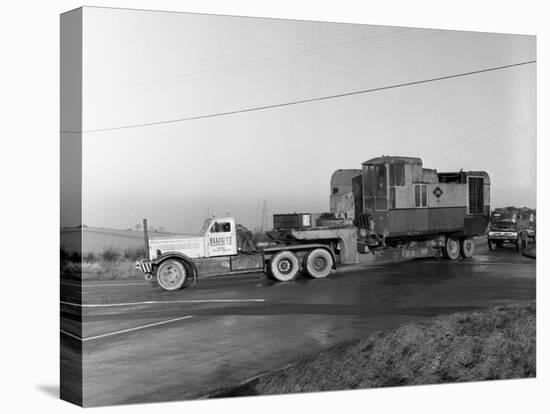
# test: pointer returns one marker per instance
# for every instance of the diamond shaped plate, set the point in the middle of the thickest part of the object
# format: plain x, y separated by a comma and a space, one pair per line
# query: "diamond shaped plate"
437, 192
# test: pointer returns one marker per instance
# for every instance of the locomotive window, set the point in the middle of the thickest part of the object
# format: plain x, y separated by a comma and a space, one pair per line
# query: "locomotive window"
397, 174
369, 181
381, 183
425, 195
417, 196
334, 190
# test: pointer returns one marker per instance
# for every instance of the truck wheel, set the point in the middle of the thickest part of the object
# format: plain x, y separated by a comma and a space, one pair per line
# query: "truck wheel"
284, 266
499, 243
525, 241
318, 263
467, 247
171, 275
490, 243
451, 250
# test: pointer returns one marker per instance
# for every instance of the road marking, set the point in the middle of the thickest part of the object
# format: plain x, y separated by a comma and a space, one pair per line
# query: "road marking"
70, 334
155, 302
126, 330
91, 285
485, 263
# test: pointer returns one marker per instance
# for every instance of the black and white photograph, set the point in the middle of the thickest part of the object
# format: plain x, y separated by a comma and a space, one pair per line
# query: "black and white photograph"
266, 206
278, 206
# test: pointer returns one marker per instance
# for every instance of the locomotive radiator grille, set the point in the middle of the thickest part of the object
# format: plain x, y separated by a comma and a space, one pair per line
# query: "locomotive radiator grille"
475, 191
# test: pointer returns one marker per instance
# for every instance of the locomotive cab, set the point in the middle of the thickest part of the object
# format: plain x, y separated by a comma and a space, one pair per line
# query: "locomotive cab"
398, 201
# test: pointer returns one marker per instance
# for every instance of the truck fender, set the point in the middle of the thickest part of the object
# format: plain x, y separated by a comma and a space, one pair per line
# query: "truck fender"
176, 255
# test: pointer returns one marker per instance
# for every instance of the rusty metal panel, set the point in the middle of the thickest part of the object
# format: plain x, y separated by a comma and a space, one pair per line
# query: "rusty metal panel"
246, 262
475, 225
446, 218
408, 221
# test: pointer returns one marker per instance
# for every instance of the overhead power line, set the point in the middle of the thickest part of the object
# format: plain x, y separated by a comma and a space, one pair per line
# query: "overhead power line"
302, 101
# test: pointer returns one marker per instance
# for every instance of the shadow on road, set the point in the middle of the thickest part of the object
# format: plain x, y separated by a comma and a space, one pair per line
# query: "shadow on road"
49, 389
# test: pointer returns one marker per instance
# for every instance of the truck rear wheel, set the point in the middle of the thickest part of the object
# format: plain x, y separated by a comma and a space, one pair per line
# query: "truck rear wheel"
467, 247
451, 250
284, 266
318, 263
171, 274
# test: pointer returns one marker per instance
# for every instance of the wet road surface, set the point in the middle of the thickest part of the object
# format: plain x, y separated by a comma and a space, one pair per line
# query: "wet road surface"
143, 344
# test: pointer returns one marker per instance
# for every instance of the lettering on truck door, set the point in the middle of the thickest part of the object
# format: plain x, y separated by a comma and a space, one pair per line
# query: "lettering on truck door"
221, 238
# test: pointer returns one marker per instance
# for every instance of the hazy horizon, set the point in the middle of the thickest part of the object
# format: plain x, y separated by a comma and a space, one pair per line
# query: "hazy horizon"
147, 67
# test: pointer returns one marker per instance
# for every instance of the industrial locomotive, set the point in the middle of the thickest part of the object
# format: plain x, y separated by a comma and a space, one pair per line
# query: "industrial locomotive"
397, 202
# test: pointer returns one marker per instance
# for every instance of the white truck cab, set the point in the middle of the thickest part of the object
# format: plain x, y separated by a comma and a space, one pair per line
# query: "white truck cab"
217, 237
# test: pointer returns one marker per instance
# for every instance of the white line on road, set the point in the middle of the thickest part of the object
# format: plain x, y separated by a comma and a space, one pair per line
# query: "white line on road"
155, 302
486, 263
91, 285
126, 330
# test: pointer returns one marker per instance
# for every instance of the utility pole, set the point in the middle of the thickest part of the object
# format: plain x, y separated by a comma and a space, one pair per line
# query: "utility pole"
265, 216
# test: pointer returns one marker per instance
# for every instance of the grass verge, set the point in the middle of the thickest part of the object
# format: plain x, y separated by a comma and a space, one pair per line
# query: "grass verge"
110, 264
497, 343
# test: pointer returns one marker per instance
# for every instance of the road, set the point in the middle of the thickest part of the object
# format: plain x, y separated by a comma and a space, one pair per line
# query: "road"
143, 344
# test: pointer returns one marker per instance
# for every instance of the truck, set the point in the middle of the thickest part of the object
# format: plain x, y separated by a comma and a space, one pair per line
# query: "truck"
510, 225
532, 226
390, 209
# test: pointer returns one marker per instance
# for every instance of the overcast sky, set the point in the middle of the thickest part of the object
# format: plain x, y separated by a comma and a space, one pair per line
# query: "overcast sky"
147, 67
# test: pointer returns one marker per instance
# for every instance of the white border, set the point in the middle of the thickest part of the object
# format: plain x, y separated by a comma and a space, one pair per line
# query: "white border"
30, 207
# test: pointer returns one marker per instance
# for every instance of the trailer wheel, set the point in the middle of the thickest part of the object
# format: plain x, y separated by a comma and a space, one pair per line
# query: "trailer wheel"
171, 274
318, 263
467, 247
451, 250
284, 266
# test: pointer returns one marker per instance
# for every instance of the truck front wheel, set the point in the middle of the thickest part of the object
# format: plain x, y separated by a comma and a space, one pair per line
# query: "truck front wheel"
318, 263
171, 275
284, 266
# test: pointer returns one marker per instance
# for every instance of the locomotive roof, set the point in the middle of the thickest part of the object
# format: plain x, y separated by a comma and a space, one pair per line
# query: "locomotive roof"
394, 158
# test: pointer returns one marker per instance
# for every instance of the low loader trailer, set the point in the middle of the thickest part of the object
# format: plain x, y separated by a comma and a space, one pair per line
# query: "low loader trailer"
399, 211
313, 251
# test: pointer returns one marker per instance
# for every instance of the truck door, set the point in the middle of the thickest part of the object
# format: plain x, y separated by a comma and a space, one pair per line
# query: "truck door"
221, 238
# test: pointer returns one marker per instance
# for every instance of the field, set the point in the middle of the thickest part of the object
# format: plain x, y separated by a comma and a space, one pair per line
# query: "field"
497, 343
96, 240
103, 254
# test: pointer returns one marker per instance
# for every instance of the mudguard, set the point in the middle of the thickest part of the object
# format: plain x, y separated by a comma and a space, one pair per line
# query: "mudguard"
176, 255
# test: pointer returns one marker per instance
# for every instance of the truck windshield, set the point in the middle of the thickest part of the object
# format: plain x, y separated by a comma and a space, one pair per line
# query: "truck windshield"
507, 216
